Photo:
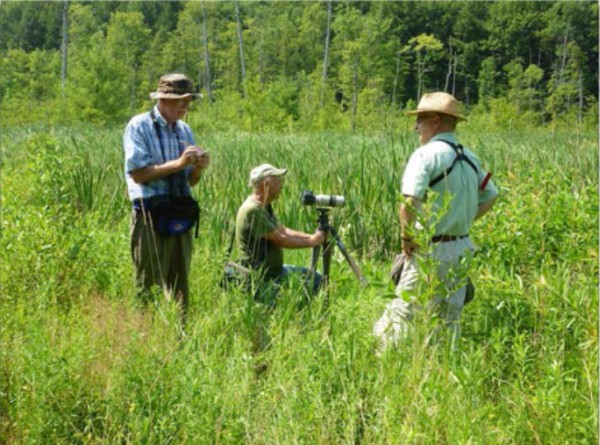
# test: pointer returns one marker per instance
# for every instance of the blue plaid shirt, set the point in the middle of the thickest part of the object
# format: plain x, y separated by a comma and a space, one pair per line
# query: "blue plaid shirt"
142, 148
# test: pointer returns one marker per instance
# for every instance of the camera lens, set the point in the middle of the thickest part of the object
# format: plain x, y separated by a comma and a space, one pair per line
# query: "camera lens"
330, 200
309, 198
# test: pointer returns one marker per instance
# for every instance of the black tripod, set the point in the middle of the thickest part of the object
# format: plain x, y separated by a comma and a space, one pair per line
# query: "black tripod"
331, 240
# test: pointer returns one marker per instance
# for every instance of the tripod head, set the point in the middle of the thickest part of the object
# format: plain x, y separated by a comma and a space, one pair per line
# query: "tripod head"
323, 219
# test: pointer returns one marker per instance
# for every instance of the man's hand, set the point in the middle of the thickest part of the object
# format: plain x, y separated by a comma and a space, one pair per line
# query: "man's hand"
317, 238
193, 155
409, 246
202, 161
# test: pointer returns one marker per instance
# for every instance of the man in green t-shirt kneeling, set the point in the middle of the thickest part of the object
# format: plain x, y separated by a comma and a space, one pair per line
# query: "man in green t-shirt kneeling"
260, 238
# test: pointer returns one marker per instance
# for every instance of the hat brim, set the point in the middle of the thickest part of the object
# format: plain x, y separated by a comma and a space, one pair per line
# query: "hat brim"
155, 95
275, 172
418, 112
278, 172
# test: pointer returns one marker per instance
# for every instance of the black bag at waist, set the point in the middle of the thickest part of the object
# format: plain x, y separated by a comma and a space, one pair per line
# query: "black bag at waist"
170, 216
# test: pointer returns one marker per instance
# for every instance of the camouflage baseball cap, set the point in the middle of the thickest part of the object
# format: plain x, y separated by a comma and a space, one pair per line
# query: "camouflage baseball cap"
174, 86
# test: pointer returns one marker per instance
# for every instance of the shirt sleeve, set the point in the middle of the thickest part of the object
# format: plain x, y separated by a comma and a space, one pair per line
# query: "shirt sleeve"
487, 188
260, 224
137, 152
488, 192
415, 180
188, 139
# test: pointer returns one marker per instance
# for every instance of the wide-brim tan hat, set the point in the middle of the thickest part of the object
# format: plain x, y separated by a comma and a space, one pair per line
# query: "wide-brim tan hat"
174, 86
264, 171
442, 103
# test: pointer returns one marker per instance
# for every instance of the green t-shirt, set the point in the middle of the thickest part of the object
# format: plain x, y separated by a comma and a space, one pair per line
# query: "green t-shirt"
253, 223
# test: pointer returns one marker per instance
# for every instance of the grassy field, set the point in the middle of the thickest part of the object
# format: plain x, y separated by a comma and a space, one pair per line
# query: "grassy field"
82, 362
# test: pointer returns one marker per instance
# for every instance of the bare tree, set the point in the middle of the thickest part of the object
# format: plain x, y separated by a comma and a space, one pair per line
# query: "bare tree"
564, 58
449, 72
326, 52
208, 82
580, 91
354, 93
241, 44
454, 75
396, 78
64, 46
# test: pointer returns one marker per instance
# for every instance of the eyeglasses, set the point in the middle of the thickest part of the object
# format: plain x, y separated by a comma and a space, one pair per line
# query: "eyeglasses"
183, 103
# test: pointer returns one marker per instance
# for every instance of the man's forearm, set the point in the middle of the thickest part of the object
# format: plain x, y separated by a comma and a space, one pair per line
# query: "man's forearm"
283, 239
295, 233
154, 172
293, 242
485, 207
407, 216
407, 222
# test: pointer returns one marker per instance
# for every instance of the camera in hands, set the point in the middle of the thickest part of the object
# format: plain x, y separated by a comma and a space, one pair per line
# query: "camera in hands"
309, 198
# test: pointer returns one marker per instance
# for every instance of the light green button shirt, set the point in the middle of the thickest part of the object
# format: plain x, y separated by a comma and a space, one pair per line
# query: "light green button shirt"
462, 185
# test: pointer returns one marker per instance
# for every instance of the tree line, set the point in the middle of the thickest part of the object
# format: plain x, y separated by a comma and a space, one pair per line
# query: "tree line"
312, 65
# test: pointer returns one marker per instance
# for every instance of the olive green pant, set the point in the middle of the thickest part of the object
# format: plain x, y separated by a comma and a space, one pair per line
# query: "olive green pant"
160, 260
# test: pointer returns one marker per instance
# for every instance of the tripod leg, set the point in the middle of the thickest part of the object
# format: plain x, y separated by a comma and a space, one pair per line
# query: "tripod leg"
316, 252
327, 252
349, 258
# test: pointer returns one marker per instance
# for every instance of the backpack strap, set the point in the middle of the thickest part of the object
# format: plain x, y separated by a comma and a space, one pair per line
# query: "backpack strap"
460, 156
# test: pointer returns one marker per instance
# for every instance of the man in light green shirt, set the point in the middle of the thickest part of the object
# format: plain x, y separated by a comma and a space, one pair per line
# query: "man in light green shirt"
464, 193
260, 238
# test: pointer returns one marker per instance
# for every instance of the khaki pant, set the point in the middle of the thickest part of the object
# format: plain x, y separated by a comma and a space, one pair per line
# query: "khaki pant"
448, 301
160, 260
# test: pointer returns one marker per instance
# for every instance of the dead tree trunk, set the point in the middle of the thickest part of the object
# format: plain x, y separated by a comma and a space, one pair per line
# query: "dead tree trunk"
354, 95
326, 52
241, 44
454, 75
206, 56
64, 46
449, 73
396, 77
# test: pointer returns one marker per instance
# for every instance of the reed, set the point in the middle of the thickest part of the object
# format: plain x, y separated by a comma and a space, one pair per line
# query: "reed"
82, 362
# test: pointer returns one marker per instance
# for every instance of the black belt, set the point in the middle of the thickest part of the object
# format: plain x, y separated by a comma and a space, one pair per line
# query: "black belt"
446, 238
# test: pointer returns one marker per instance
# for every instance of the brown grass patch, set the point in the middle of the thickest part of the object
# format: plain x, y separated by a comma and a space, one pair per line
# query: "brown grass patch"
113, 328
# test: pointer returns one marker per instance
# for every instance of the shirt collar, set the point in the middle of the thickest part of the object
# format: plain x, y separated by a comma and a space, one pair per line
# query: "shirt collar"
445, 136
161, 120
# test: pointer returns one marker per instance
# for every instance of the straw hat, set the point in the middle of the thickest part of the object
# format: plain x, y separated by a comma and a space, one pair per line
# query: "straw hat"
443, 103
174, 86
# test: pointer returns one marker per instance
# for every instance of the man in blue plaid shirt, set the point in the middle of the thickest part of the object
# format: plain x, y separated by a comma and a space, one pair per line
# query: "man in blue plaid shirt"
162, 161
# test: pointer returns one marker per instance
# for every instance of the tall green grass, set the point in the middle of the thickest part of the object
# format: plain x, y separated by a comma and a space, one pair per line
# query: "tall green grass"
82, 362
